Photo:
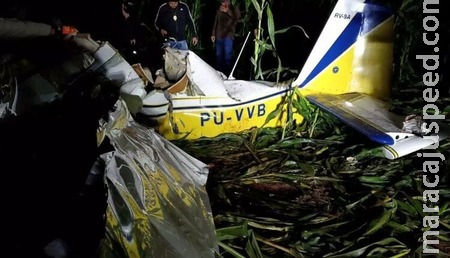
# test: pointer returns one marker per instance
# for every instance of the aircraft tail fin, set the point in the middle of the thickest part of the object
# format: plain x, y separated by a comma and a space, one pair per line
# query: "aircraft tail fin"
353, 53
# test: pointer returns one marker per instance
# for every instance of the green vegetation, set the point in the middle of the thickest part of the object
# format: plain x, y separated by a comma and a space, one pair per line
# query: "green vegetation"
329, 195
318, 189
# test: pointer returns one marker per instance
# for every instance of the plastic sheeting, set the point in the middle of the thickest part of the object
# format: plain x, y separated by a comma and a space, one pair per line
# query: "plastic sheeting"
157, 203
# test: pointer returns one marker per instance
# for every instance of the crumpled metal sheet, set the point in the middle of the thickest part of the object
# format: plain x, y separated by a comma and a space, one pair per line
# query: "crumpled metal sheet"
157, 203
175, 63
3, 108
416, 125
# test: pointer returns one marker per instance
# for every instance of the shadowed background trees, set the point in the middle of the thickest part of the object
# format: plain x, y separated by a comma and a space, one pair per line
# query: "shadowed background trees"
101, 18
305, 198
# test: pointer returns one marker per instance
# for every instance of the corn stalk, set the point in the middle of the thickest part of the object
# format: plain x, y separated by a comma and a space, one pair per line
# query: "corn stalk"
260, 44
264, 43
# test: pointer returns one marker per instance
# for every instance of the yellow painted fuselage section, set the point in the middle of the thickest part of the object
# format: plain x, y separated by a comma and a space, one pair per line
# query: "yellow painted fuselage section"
365, 67
212, 121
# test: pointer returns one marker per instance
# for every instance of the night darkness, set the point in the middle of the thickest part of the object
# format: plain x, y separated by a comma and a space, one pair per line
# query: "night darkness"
59, 133
101, 18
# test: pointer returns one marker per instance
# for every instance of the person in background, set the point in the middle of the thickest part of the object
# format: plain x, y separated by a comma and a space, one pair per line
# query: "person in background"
137, 43
222, 35
171, 21
131, 33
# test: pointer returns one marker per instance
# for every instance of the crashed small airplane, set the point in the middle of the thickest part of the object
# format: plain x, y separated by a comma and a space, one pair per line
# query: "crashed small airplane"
157, 202
347, 73
96, 183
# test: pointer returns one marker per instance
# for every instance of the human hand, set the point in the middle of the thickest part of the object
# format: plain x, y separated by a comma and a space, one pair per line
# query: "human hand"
223, 8
213, 39
194, 41
163, 32
125, 13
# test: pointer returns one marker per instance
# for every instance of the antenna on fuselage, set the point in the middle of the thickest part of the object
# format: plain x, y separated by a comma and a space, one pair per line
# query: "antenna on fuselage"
230, 77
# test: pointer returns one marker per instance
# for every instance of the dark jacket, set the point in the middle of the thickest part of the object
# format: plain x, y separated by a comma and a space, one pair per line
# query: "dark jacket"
175, 28
225, 23
131, 29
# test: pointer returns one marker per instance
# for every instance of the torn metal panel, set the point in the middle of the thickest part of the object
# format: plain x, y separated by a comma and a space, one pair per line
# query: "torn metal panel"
157, 205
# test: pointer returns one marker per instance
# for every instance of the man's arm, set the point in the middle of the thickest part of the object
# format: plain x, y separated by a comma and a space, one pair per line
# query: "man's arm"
214, 28
16, 29
158, 24
191, 24
190, 21
237, 14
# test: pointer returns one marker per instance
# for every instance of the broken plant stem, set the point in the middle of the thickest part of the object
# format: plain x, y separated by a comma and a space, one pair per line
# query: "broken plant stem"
313, 125
252, 152
279, 247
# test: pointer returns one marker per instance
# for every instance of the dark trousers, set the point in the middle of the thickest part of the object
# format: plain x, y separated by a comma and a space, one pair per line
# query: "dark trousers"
224, 55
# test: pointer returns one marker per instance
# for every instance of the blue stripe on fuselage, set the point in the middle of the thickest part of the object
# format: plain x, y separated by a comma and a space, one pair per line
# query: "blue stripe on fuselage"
343, 42
373, 15
362, 23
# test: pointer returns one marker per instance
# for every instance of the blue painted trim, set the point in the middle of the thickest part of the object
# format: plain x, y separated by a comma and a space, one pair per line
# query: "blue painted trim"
373, 15
361, 24
343, 42
376, 135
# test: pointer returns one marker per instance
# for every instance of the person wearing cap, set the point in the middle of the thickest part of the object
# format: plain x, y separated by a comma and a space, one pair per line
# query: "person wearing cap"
171, 21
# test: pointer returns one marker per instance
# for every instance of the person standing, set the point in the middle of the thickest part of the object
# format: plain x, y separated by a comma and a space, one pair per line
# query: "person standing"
171, 21
131, 33
227, 16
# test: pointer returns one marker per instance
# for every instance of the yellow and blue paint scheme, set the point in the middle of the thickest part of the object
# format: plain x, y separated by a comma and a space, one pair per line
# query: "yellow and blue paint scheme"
352, 54
347, 73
